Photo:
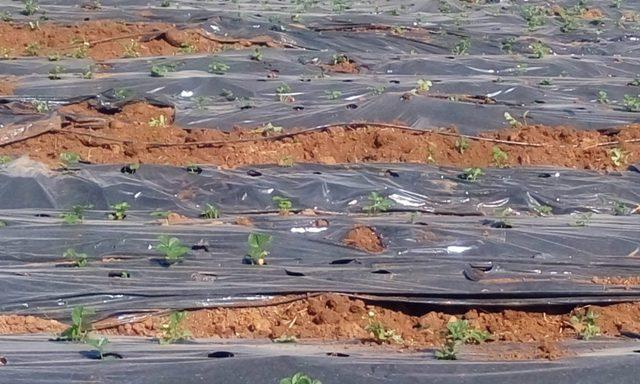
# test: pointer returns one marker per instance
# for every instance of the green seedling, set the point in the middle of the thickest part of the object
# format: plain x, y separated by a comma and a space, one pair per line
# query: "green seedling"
631, 103
283, 93
256, 55
80, 325
585, 324
603, 98
119, 211
81, 51
30, 7
68, 159
423, 86
269, 129
131, 50
4, 160
40, 106
471, 174
499, 156
534, 15
88, 74
377, 204
570, 22
174, 330
333, 94
511, 120
219, 68
54, 57
618, 156
158, 122
377, 91
78, 259
380, 333
284, 339
458, 333
301, 378
187, 48
339, 58
99, 344
582, 220
161, 70
539, 50
210, 211
257, 247
284, 205
172, 249
122, 93
461, 47
56, 72
161, 214
75, 214
543, 210
32, 49
462, 144
620, 209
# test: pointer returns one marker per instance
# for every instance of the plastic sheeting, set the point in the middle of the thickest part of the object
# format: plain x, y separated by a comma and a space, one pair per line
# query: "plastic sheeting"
598, 362
446, 240
395, 46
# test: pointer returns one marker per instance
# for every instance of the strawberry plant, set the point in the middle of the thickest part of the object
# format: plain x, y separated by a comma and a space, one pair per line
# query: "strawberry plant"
256, 55
99, 345
299, 378
377, 204
30, 7
258, 245
161, 70
219, 68
174, 330
119, 211
461, 47
75, 214
284, 205
56, 72
471, 174
78, 259
210, 211
582, 220
172, 248
543, 210
80, 325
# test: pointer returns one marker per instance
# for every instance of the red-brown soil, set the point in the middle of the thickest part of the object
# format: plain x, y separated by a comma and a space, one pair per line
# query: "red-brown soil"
336, 317
127, 137
7, 85
627, 282
110, 39
14, 324
364, 238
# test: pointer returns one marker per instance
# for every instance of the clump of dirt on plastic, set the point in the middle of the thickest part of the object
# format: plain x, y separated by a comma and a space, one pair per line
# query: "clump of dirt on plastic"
364, 238
130, 137
15, 324
7, 86
627, 282
104, 40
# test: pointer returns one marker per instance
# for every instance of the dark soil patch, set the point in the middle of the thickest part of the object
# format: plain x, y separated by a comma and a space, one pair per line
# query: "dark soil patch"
127, 137
365, 239
104, 40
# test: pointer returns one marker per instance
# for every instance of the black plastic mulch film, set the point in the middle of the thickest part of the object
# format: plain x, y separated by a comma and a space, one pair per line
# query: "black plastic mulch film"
447, 241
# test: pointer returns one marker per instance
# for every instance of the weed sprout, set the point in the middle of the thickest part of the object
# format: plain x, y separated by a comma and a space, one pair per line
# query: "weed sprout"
160, 121
459, 332
462, 144
174, 330
585, 324
499, 156
380, 333
618, 156
68, 159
